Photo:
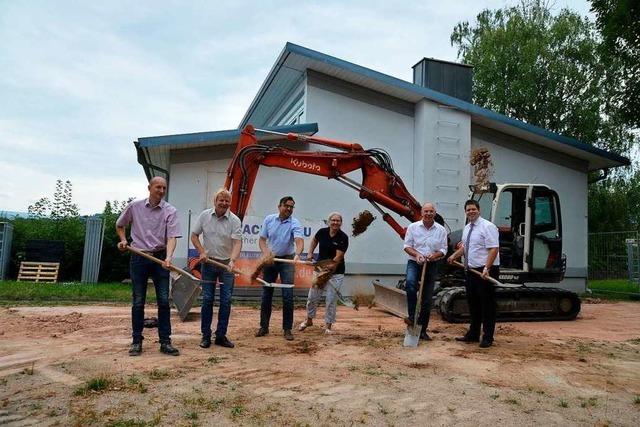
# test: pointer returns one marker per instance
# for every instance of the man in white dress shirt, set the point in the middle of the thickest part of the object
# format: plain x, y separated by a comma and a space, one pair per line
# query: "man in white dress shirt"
481, 251
425, 242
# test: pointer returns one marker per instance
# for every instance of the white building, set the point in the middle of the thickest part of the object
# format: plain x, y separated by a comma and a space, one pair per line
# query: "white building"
429, 135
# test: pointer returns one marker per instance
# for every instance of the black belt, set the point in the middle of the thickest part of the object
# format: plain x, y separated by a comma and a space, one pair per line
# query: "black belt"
286, 256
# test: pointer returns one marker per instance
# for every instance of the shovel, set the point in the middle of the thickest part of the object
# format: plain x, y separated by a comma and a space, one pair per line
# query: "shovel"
341, 298
490, 279
177, 273
412, 335
238, 271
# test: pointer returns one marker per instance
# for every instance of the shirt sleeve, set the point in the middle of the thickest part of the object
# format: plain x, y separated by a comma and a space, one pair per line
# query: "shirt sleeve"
492, 237
408, 238
263, 230
125, 217
296, 229
344, 243
236, 234
197, 227
443, 241
173, 225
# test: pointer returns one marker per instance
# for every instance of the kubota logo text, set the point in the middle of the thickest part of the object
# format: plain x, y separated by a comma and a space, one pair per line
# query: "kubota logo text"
305, 165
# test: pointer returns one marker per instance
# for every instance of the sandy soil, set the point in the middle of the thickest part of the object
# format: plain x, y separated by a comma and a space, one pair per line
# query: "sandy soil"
585, 372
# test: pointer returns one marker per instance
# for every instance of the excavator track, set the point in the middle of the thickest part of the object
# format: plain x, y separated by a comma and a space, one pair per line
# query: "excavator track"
514, 304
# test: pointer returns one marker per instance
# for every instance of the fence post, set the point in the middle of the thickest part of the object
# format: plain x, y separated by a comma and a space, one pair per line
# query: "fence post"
92, 250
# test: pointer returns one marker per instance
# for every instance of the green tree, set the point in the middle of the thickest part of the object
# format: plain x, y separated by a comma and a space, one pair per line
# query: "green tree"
619, 25
546, 70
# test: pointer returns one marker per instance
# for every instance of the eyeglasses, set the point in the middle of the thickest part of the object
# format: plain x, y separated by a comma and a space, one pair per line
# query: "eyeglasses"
289, 206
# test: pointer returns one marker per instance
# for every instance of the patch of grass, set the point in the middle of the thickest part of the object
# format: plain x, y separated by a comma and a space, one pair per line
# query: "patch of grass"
512, 401
3, 381
213, 360
28, 370
634, 341
382, 409
13, 293
614, 289
136, 384
237, 411
191, 415
126, 423
583, 347
563, 403
158, 374
494, 396
95, 385
636, 399
590, 402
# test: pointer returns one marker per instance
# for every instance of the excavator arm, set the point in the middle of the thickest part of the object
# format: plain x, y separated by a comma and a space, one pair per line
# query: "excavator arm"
380, 185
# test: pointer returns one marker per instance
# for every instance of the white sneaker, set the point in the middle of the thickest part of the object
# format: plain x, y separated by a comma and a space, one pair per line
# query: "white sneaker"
303, 326
328, 331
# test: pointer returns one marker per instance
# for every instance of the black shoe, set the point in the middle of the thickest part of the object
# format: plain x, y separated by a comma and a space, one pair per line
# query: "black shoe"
486, 343
425, 336
135, 349
467, 338
224, 342
288, 335
167, 348
262, 332
205, 343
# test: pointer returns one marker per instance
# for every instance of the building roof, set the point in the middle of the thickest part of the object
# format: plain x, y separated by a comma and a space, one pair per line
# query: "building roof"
293, 62
153, 152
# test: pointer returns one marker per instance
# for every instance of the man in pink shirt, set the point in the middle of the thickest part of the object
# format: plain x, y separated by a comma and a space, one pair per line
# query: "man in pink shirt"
154, 229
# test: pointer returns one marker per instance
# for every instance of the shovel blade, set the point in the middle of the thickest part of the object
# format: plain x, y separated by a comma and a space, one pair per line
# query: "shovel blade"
412, 336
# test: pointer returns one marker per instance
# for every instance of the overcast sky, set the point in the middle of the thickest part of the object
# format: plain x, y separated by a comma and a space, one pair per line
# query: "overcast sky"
81, 80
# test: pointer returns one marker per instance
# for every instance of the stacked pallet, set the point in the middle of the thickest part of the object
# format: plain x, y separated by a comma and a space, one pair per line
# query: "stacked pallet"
38, 272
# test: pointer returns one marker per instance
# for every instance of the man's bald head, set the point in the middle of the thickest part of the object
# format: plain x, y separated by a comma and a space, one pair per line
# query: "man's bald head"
157, 189
428, 214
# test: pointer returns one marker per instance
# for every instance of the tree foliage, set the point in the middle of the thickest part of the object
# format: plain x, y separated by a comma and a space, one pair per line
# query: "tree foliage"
546, 70
619, 25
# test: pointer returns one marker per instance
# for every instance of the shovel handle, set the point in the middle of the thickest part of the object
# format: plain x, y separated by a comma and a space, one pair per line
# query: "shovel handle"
290, 261
159, 261
237, 271
476, 272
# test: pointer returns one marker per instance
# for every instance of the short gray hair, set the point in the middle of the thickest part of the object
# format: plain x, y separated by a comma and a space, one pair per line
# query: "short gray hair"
332, 214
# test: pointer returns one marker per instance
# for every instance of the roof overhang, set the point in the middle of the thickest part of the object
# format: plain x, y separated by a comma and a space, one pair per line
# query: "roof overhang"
294, 61
154, 151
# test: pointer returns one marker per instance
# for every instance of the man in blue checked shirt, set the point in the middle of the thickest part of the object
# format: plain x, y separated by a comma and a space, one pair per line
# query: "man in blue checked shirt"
281, 234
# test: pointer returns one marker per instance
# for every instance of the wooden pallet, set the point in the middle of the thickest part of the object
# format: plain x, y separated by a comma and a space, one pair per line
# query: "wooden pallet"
38, 272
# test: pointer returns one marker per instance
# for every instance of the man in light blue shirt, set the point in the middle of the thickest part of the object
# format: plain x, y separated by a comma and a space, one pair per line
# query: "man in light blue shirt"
282, 235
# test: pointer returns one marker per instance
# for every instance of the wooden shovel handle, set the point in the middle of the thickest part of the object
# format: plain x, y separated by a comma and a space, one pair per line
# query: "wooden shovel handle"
236, 270
290, 261
159, 261
476, 272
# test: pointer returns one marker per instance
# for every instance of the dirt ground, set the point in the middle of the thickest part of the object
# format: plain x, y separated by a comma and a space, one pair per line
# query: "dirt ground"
69, 366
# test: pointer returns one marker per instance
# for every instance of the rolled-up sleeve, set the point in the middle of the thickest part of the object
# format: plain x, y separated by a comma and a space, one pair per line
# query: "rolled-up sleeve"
492, 237
408, 238
296, 229
173, 225
125, 217
236, 233
264, 230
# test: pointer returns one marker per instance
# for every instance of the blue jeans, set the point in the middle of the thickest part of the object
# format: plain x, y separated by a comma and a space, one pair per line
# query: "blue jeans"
226, 278
414, 273
141, 269
270, 274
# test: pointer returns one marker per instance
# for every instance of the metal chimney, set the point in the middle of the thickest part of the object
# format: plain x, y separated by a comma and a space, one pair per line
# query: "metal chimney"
447, 77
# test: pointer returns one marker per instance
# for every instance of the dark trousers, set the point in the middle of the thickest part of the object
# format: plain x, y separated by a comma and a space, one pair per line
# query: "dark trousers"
270, 274
482, 303
211, 273
141, 269
412, 283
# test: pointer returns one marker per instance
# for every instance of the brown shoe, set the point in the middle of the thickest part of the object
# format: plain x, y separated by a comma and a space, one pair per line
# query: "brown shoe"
262, 332
288, 335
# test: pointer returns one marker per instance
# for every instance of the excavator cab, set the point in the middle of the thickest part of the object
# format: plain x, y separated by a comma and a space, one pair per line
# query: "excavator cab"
530, 226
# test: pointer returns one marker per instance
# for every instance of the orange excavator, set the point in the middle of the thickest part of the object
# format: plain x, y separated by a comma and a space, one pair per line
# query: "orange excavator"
383, 188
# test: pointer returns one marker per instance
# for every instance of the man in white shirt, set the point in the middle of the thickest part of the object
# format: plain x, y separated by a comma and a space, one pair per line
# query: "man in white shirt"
221, 232
425, 242
481, 250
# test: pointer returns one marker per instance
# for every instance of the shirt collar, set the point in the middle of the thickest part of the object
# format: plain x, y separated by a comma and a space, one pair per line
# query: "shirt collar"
428, 228
225, 215
160, 205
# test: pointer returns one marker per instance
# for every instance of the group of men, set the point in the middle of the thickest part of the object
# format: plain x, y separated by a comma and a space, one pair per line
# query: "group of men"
217, 236
426, 243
